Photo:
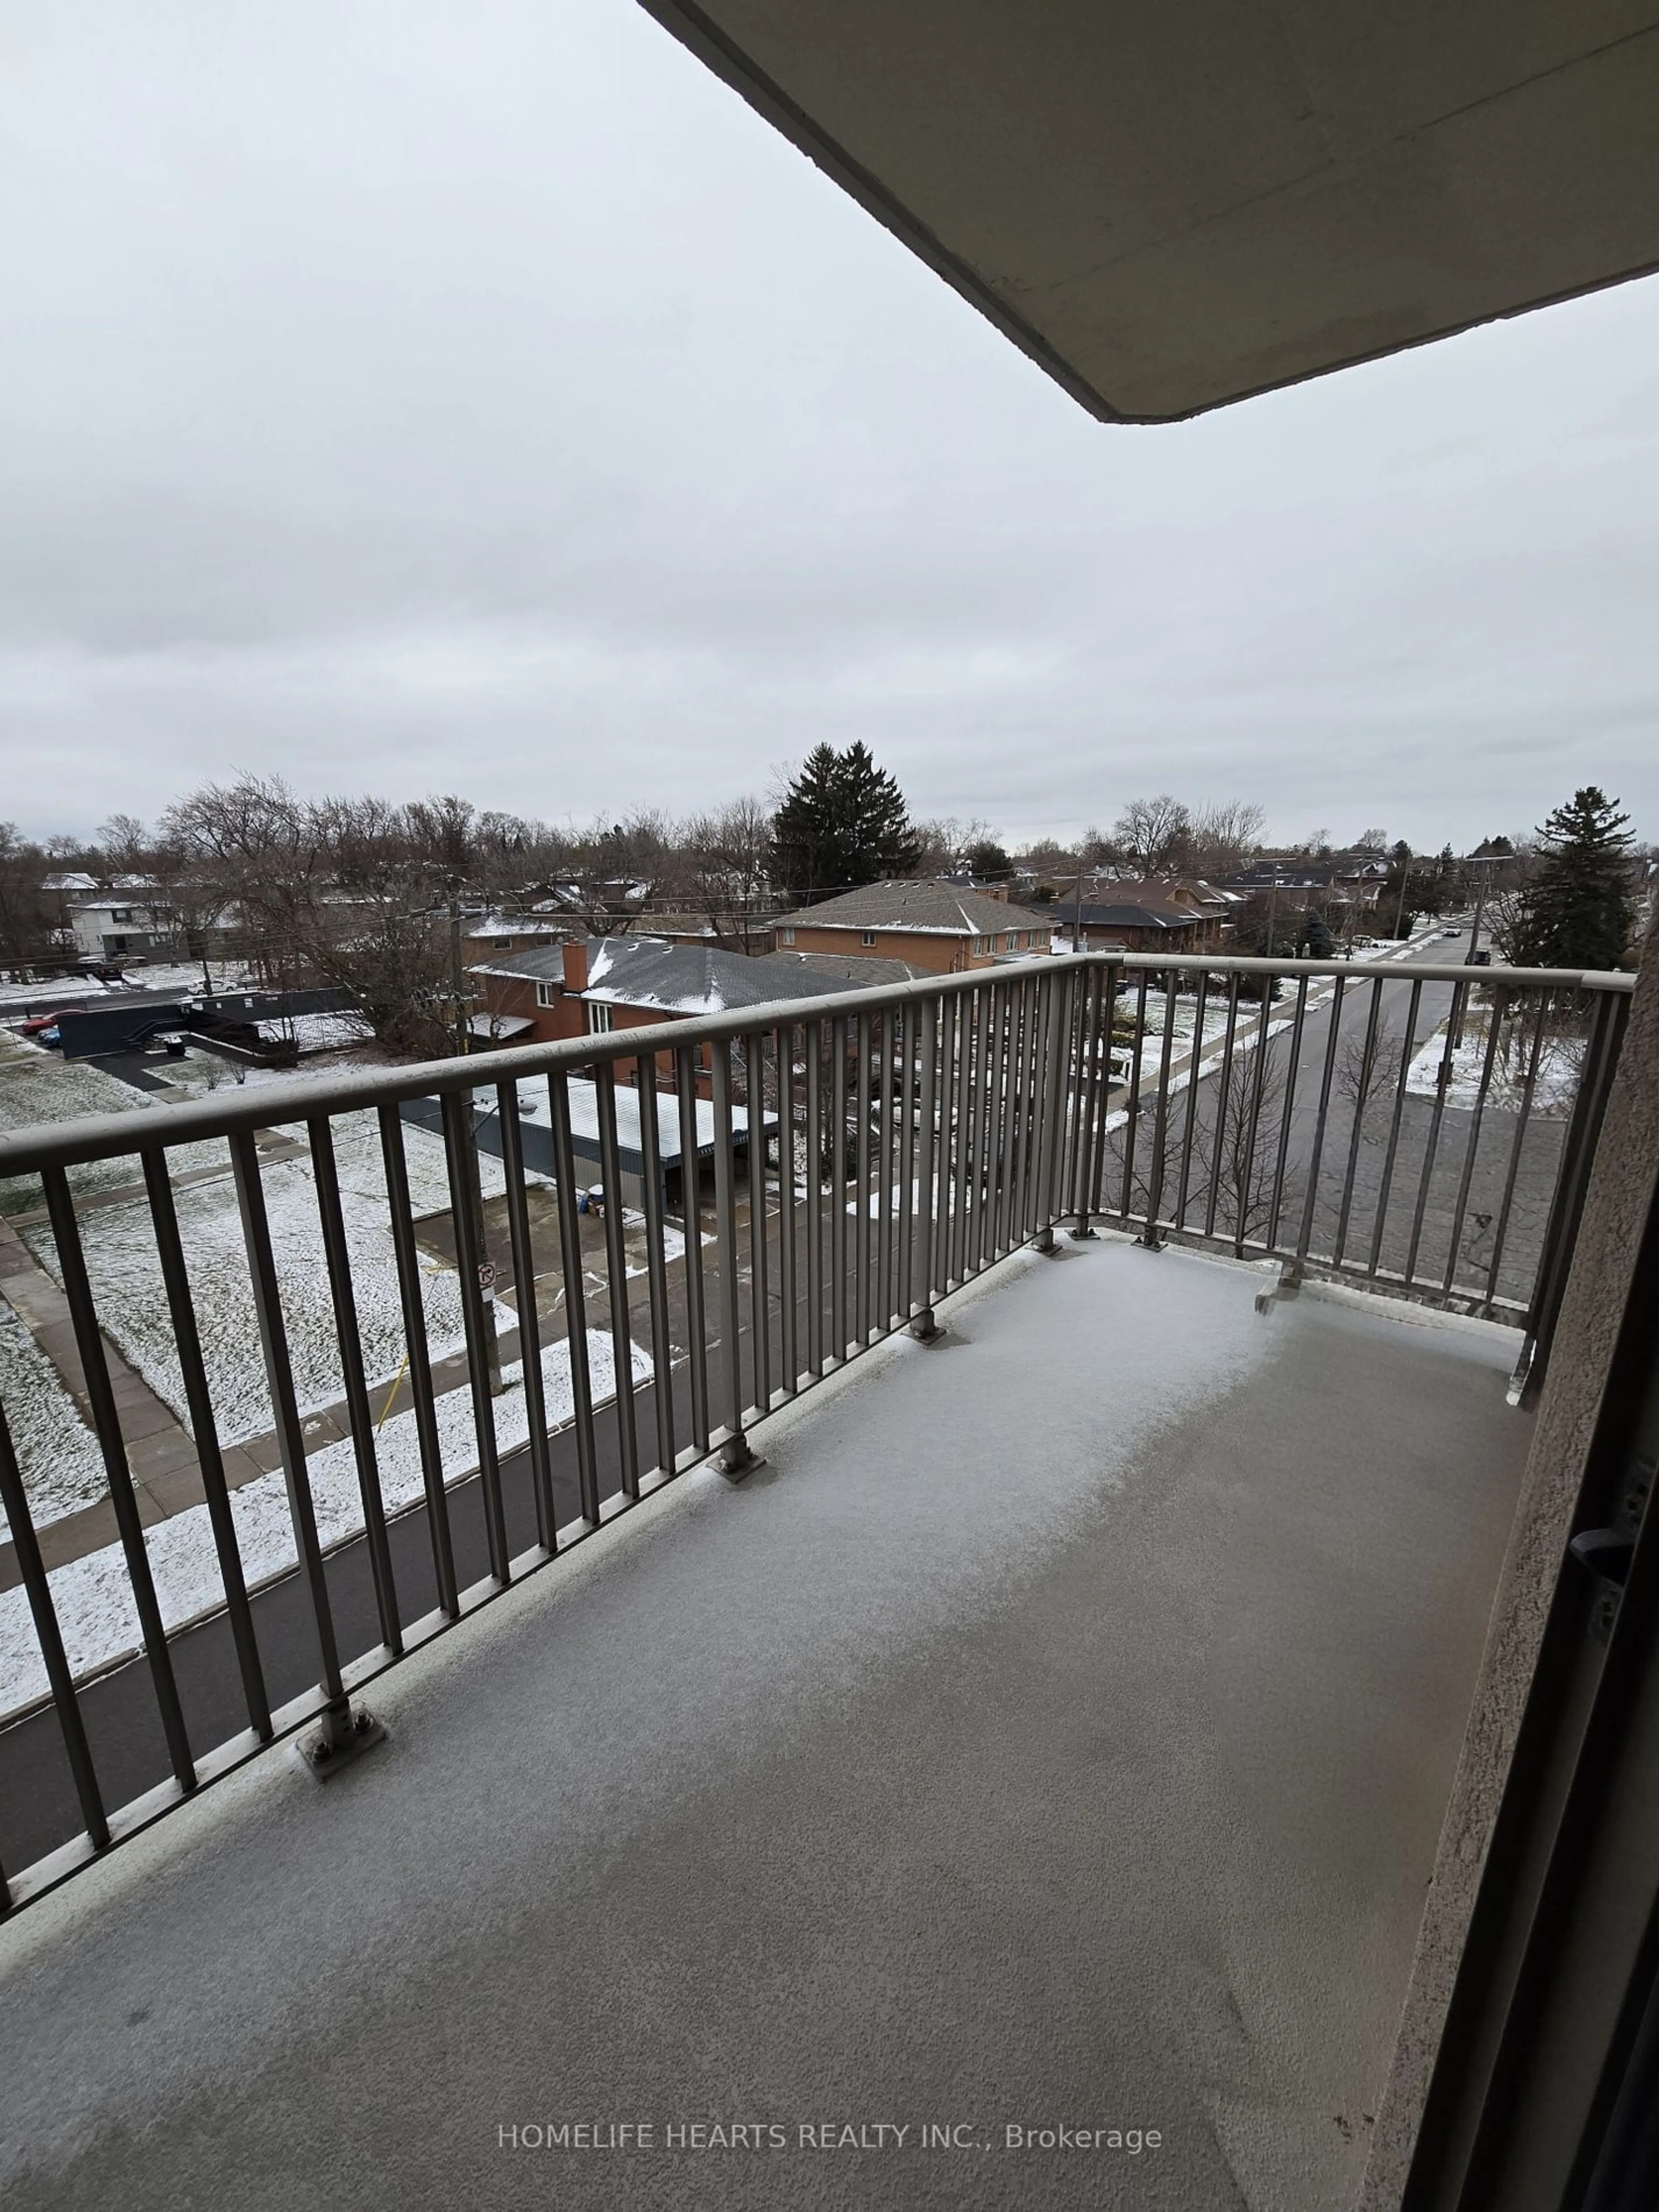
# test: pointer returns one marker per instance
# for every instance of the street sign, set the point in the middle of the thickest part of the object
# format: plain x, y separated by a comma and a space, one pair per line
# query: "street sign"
487, 1278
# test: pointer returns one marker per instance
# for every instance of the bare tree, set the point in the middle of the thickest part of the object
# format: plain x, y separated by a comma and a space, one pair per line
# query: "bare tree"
726, 853
1368, 1071
1222, 838
1155, 834
1235, 1144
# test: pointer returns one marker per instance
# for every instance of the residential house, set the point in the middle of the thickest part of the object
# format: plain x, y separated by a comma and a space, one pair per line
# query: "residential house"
1142, 914
592, 986
927, 923
120, 926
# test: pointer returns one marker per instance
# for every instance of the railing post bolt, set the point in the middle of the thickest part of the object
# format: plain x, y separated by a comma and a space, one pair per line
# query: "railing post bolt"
923, 1326
734, 1458
341, 1734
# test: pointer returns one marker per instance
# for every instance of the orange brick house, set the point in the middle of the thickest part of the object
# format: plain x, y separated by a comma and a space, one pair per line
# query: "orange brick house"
932, 924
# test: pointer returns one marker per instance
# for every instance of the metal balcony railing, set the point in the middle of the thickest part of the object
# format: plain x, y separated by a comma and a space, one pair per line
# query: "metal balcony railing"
403, 1354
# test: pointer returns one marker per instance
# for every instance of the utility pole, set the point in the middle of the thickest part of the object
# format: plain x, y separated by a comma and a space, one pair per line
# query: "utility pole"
1077, 909
1482, 862
1273, 910
1404, 886
463, 1033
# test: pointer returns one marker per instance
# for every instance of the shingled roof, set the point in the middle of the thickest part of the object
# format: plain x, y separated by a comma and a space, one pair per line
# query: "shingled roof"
709, 979
926, 905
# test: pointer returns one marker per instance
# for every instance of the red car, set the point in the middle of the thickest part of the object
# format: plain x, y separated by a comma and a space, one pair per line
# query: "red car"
38, 1022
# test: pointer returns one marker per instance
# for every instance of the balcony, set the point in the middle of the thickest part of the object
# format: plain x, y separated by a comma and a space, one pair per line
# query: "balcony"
996, 1661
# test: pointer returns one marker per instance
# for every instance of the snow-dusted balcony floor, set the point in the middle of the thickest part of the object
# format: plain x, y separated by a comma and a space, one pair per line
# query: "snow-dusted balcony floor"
1053, 1732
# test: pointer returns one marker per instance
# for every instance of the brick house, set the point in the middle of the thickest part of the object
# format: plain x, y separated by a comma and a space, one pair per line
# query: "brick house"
929, 925
596, 985
1147, 915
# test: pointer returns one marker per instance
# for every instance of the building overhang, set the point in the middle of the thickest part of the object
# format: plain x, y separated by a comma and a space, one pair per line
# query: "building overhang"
1170, 208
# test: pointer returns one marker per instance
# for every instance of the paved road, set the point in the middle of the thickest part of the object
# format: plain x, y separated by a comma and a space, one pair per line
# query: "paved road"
1435, 1180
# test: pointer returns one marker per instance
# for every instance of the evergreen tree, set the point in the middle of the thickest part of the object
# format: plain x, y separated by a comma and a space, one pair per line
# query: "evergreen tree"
842, 822
1316, 942
1580, 907
988, 863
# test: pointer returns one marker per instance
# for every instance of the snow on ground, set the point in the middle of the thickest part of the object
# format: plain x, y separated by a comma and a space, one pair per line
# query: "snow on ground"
39, 1085
93, 1597
1553, 1092
62, 1469
126, 1278
317, 1032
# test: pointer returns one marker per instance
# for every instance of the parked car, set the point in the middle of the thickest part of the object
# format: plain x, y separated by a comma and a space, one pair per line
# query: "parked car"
38, 1025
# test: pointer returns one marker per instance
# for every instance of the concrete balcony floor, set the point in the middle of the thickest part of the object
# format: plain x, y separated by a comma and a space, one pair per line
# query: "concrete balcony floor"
1055, 1730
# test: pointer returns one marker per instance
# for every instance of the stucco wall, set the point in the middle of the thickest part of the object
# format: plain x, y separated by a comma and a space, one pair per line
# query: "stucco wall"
1620, 1196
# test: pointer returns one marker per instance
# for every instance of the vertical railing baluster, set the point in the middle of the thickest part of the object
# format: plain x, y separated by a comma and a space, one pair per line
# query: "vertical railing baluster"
337, 1258
783, 1050
760, 1299
477, 1318
1132, 1125
1465, 1181
204, 1434
735, 1454
685, 1086
573, 1268
106, 1426
1419, 1211
963, 1005
904, 1160
1287, 1114
1224, 1099
419, 1362
616, 1269
37, 1588
529, 1317
1361, 1088
656, 1270
812, 1047
861, 1219
1189, 1122
1253, 1125
839, 1034
1150, 1236
290, 1437
1522, 1122
1385, 1189
1328, 1068
927, 1020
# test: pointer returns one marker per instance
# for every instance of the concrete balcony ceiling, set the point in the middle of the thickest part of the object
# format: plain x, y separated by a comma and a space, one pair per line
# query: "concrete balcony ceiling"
1170, 208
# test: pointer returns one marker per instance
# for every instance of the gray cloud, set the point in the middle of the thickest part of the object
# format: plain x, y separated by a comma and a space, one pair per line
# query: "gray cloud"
423, 397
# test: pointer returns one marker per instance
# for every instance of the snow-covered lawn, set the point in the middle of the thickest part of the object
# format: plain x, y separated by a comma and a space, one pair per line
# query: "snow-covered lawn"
57, 1453
93, 1597
126, 1277
38, 1085
1556, 1087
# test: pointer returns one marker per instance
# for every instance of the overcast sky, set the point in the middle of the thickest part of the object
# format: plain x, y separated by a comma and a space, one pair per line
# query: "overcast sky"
479, 397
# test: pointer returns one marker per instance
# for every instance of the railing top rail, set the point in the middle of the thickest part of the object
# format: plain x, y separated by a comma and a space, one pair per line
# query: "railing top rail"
1429, 971
104, 1136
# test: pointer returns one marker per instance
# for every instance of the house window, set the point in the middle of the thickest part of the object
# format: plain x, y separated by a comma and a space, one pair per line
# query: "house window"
503, 944
547, 994
868, 937
600, 1020
120, 914
786, 937
1013, 938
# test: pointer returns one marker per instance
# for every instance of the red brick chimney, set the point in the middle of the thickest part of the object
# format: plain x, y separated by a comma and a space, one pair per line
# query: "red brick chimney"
575, 963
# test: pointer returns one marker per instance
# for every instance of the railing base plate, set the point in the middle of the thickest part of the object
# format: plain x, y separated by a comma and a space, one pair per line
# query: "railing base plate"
325, 1751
